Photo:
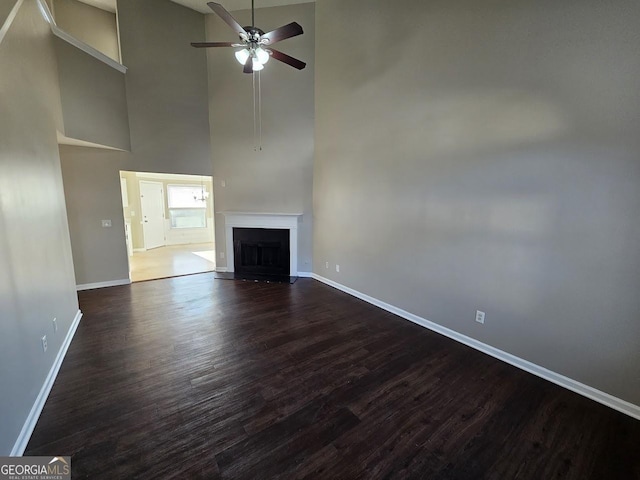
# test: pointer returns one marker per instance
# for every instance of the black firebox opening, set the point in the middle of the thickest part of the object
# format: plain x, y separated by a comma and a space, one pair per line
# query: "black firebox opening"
261, 251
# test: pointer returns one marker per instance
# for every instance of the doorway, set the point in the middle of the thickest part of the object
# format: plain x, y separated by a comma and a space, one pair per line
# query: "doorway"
168, 224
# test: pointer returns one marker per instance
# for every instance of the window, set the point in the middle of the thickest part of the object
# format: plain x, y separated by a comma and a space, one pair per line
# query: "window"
187, 206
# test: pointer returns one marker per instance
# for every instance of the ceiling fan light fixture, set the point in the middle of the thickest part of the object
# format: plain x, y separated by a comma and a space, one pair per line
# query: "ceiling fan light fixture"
253, 40
262, 55
256, 65
242, 56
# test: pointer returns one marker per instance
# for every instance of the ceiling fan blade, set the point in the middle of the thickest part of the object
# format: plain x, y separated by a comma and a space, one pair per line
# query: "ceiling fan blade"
248, 65
289, 60
226, 16
212, 44
291, 30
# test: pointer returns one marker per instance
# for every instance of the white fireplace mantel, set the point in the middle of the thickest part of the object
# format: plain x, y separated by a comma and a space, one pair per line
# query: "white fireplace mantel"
286, 221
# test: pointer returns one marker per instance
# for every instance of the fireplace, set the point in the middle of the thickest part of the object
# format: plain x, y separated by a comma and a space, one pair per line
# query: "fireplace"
261, 251
286, 223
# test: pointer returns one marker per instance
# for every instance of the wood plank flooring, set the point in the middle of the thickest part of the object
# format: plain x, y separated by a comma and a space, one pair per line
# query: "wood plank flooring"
193, 377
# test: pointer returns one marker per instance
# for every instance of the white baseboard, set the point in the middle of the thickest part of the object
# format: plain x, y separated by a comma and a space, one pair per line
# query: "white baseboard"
111, 283
139, 250
221, 269
36, 409
566, 382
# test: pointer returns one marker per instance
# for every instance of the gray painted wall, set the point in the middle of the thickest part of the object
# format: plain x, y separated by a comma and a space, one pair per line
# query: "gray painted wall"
94, 26
167, 98
92, 193
36, 270
5, 9
166, 87
474, 155
278, 179
92, 89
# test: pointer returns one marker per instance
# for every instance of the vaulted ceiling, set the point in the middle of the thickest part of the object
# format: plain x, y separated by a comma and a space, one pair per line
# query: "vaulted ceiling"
201, 5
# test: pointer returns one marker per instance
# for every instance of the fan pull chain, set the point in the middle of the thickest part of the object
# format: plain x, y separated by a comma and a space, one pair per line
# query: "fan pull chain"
255, 146
257, 112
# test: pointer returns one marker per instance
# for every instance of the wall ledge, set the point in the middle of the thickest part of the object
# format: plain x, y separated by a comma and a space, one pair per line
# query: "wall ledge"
566, 382
58, 32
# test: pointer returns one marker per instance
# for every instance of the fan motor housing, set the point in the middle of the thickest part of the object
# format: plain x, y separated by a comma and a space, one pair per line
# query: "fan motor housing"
254, 33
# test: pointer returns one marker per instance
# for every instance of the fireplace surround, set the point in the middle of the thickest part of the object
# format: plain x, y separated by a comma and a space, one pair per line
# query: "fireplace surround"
242, 220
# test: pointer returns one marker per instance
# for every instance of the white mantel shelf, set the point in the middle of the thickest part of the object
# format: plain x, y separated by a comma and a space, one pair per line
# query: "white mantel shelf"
286, 221
268, 214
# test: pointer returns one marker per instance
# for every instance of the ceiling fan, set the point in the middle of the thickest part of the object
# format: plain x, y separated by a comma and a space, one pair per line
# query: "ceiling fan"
255, 44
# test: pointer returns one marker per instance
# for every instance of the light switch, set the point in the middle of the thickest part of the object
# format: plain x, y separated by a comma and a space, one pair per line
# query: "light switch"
106, 223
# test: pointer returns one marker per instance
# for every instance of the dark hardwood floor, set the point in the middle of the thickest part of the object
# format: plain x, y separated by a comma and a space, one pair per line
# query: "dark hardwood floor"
194, 377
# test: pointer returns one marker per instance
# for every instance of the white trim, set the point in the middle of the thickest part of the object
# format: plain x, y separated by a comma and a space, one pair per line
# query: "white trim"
64, 140
284, 221
139, 250
599, 396
46, 13
259, 214
111, 283
58, 32
305, 274
36, 409
221, 269
10, 18
118, 32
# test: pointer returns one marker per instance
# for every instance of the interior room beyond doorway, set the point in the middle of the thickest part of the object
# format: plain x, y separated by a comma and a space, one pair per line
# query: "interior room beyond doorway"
168, 224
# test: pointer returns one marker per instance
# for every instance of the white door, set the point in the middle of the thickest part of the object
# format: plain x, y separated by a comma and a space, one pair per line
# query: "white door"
152, 205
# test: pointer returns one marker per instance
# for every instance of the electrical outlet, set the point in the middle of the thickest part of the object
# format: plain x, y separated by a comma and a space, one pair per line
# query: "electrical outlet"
223, 183
326, 265
55, 326
479, 316
337, 268
106, 223
44, 343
